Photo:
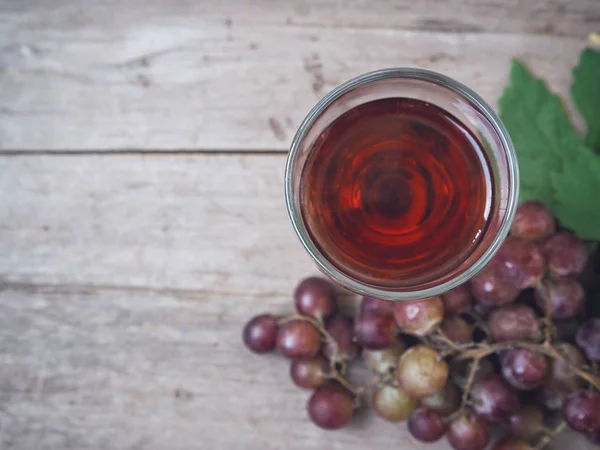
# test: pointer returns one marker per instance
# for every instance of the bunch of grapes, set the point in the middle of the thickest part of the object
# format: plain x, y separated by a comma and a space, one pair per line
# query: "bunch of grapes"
511, 350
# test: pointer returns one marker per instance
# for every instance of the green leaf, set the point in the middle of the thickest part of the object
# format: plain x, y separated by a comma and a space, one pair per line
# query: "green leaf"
556, 167
577, 192
586, 94
540, 129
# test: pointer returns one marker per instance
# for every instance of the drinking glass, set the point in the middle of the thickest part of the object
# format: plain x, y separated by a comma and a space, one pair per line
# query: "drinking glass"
459, 102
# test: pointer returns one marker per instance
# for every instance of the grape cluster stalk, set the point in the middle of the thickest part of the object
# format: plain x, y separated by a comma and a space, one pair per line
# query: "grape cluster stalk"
512, 352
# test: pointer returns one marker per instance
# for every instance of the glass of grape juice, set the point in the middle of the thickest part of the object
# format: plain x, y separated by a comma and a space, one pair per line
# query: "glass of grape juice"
401, 184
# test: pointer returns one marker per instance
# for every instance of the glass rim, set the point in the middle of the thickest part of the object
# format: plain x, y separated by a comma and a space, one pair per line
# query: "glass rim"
412, 74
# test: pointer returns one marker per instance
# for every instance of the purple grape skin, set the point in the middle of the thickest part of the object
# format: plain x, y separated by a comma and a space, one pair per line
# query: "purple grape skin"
524, 369
457, 329
493, 398
298, 339
566, 254
330, 407
375, 330
457, 300
533, 221
567, 297
513, 323
588, 338
309, 373
468, 432
343, 347
490, 290
426, 425
372, 303
581, 410
526, 422
260, 333
315, 297
520, 262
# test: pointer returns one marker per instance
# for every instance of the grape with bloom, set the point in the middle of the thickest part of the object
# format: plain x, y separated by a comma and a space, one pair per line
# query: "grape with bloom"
481, 355
419, 317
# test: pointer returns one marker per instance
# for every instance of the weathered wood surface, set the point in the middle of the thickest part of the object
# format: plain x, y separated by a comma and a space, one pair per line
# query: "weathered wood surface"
126, 281
200, 222
238, 75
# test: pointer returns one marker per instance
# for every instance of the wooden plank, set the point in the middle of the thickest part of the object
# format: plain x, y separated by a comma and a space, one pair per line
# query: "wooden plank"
126, 281
211, 223
225, 75
550, 17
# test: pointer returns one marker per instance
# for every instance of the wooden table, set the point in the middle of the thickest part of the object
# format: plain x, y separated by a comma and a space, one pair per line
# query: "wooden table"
142, 218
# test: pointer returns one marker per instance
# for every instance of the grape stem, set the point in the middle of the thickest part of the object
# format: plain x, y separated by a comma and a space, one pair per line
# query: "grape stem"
483, 350
548, 325
467, 390
335, 374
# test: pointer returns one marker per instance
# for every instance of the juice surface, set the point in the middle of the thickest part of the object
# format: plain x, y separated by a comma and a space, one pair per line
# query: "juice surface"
396, 191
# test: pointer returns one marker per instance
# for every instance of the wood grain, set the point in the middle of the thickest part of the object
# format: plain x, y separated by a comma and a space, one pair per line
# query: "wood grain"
104, 75
200, 222
551, 17
126, 281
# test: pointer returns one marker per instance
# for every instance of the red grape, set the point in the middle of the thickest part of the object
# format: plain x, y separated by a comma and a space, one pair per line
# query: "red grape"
533, 221
581, 410
526, 422
426, 425
315, 297
392, 403
514, 323
384, 361
567, 297
445, 401
566, 254
331, 407
372, 303
588, 338
309, 373
421, 371
298, 339
524, 369
520, 262
512, 444
468, 432
419, 317
260, 333
375, 330
341, 346
561, 376
457, 329
493, 399
489, 289
457, 300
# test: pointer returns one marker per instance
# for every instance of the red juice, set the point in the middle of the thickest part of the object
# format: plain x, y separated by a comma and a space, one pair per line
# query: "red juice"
396, 191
